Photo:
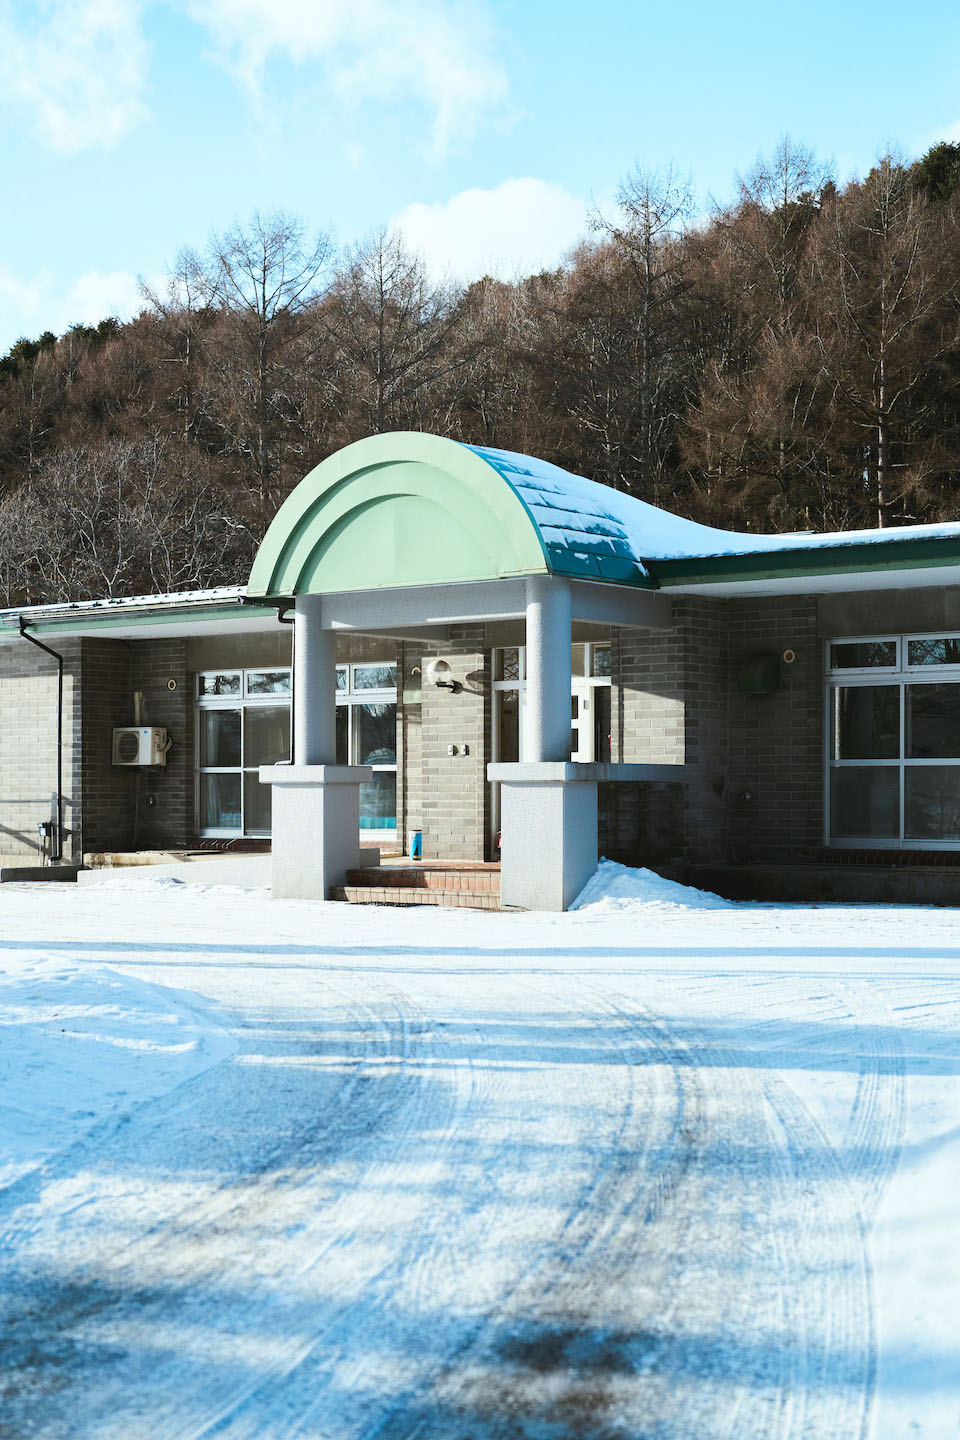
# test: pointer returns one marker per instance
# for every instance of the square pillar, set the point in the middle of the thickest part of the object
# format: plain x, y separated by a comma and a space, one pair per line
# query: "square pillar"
316, 827
548, 845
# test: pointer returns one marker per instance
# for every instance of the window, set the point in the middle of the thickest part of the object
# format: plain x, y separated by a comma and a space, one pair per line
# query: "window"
367, 735
893, 741
589, 702
243, 722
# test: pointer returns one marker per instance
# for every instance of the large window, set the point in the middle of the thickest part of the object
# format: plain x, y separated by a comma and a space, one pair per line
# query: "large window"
893, 741
243, 722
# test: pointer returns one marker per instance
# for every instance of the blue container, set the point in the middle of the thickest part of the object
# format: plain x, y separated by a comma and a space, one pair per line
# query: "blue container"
415, 844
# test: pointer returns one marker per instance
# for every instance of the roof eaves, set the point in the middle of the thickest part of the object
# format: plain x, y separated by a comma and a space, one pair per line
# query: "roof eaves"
842, 559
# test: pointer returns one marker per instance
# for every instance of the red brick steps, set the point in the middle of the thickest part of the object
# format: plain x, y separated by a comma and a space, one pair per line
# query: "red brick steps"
459, 887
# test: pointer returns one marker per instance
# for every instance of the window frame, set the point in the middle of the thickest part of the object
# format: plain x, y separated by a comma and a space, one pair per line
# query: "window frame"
351, 697
242, 701
903, 675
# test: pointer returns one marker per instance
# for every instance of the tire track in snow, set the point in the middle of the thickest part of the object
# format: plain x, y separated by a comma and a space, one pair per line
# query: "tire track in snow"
873, 1139
556, 1317
404, 1309
854, 1173
620, 1316
70, 1332
590, 1362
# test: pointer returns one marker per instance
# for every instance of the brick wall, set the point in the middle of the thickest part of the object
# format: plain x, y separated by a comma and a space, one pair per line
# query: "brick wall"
649, 696
671, 699
753, 785
409, 739
106, 791
165, 815
705, 668
28, 744
640, 824
453, 788
776, 740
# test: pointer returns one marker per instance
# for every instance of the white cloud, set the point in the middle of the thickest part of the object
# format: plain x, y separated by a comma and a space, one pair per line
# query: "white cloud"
519, 227
30, 305
75, 69
438, 53
949, 132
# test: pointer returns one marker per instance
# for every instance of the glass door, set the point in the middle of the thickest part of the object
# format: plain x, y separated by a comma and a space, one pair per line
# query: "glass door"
367, 735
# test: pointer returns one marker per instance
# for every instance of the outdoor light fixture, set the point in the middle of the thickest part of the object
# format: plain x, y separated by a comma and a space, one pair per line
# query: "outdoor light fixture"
438, 671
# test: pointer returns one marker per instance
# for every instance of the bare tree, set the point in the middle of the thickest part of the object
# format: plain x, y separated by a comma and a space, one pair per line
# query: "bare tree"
760, 420
887, 270
654, 207
391, 332
265, 278
120, 518
185, 308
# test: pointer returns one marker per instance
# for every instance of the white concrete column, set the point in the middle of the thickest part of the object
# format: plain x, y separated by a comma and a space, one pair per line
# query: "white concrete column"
546, 726
314, 685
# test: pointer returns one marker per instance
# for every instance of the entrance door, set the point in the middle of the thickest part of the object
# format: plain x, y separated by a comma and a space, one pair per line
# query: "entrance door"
581, 723
590, 721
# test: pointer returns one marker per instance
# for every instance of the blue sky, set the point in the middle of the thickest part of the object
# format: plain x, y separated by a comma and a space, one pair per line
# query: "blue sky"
129, 128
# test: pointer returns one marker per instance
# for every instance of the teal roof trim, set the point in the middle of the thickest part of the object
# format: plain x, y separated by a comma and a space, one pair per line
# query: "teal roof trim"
580, 533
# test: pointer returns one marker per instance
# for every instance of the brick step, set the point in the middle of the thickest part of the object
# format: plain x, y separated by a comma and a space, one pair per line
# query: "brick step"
415, 895
482, 880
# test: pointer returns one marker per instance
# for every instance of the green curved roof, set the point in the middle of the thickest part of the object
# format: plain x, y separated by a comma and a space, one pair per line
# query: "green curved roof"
410, 509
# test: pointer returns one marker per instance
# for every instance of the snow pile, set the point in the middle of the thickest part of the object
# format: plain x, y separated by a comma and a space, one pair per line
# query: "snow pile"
619, 887
80, 1045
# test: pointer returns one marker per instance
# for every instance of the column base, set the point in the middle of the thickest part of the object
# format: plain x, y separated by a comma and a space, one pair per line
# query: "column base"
548, 839
316, 827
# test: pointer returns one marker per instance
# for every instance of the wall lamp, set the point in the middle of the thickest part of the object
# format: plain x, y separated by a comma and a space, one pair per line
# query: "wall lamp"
439, 672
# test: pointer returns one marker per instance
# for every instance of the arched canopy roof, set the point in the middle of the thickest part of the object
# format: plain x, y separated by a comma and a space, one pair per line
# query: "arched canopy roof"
408, 509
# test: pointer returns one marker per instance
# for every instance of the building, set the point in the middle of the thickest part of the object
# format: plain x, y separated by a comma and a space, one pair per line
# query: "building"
496, 653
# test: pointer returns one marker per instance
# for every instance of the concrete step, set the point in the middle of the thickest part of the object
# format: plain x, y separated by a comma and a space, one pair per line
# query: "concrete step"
474, 879
383, 894
22, 874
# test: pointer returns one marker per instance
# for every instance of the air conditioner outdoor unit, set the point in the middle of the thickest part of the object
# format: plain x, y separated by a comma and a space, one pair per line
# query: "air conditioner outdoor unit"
140, 745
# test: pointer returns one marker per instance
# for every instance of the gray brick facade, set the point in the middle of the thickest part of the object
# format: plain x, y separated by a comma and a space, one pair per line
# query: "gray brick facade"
753, 786
28, 745
452, 799
754, 762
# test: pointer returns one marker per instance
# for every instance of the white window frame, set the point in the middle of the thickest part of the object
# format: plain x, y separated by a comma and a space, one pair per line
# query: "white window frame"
351, 697
499, 686
901, 674
242, 702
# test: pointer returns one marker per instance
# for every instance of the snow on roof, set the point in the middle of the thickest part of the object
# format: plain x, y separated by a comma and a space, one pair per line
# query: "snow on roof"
221, 594
574, 513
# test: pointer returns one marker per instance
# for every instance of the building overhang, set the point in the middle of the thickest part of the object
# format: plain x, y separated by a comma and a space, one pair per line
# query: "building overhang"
145, 617
895, 563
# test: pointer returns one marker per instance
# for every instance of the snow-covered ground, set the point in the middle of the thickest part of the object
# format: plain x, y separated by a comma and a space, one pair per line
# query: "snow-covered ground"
662, 1167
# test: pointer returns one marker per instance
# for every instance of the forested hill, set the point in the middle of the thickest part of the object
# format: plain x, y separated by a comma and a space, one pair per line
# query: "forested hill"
788, 361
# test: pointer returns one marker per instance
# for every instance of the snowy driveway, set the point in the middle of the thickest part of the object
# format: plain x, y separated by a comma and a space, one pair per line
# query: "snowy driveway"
647, 1171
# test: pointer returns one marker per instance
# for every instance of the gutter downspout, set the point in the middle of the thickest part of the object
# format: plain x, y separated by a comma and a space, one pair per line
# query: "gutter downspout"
56, 853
